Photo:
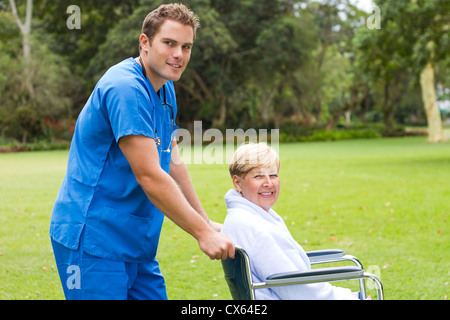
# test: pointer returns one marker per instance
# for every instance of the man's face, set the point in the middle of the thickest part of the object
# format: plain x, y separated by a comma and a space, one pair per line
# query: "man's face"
169, 53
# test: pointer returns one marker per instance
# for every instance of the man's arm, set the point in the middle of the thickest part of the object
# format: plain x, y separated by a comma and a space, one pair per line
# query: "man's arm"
163, 192
180, 174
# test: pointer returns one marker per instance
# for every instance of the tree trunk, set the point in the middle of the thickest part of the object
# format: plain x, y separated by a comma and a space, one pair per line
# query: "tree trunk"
219, 122
435, 129
388, 111
25, 28
266, 104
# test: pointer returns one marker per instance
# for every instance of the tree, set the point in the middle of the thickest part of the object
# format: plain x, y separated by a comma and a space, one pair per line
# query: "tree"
329, 85
287, 44
430, 48
234, 34
25, 27
80, 46
33, 88
413, 38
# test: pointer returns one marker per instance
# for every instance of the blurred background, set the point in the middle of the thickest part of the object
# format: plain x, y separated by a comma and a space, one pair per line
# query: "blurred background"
315, 70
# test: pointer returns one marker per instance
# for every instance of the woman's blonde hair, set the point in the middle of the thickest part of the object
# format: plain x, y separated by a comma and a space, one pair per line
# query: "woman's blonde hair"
253, 155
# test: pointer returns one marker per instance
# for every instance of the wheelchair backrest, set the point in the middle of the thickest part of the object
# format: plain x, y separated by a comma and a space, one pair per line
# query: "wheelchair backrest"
237, 275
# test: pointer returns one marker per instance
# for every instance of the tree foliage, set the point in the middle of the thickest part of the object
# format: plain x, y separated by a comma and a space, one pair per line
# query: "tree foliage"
414, 35
282, 64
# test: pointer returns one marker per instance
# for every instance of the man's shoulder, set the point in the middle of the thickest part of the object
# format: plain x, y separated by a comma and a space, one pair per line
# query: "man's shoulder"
124, 73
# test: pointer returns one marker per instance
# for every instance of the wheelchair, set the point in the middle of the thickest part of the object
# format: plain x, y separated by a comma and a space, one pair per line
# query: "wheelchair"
238, 274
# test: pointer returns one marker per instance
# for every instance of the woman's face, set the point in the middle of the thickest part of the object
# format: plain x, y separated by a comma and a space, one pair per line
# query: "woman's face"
260, 186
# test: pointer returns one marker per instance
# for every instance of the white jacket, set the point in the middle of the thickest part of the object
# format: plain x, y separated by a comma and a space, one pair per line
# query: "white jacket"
271, 249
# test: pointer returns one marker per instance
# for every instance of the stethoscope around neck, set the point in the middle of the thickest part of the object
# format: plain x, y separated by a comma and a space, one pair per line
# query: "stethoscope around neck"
158, 139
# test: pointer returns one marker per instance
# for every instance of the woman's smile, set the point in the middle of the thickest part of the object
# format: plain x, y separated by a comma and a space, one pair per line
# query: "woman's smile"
260, 185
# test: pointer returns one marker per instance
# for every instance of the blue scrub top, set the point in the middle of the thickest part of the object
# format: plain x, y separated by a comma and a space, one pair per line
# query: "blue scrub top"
100, 194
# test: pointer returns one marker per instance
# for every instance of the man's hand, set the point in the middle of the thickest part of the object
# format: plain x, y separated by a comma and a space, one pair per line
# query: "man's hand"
216, 246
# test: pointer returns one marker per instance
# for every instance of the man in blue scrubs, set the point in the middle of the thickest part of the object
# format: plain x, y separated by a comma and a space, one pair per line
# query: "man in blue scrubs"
125, 173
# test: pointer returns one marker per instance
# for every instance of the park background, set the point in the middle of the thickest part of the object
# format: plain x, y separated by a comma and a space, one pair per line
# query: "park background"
360, 96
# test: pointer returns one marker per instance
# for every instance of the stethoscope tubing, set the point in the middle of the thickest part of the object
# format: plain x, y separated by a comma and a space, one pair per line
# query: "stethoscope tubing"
158, 140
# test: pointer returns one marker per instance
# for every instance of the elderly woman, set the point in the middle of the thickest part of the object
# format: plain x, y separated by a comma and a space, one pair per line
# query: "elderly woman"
253, 225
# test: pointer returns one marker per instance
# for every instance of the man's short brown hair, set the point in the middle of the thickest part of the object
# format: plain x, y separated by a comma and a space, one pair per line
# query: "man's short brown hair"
174, 11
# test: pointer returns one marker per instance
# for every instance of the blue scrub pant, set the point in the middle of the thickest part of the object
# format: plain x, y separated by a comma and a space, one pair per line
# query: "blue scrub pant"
85, 277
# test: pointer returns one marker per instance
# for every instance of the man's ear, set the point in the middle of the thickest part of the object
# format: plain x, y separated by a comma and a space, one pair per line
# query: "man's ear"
144, 42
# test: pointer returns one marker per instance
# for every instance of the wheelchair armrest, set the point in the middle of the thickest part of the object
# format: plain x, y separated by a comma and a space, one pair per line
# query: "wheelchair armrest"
324, 255
315, 275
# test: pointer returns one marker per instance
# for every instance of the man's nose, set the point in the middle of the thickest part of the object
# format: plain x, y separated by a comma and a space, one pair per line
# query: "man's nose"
177, 52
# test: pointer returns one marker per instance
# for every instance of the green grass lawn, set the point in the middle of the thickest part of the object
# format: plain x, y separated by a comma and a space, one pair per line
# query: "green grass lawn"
386, 201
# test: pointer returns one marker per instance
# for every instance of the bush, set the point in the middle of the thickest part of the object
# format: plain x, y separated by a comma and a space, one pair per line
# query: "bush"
305, 135
11, 145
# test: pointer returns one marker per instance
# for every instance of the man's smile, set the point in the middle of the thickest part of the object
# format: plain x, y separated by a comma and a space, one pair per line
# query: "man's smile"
174, 65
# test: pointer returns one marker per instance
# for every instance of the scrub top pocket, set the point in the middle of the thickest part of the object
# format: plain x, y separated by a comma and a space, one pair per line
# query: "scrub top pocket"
120, 236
